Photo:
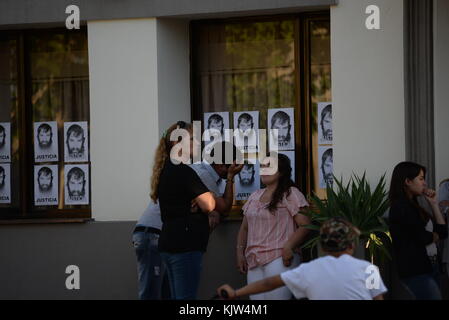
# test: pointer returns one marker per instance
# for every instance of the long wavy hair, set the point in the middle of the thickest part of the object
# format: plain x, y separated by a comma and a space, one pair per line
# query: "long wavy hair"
402, 171
284, 183
162, 155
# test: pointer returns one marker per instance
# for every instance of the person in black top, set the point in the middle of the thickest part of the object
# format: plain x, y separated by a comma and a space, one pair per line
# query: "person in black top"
185, 203
414, 231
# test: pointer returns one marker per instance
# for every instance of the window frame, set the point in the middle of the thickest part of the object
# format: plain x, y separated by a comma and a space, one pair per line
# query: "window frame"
304, 168
25, 213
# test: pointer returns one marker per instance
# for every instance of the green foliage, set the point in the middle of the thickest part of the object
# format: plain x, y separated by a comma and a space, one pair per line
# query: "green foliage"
360, 205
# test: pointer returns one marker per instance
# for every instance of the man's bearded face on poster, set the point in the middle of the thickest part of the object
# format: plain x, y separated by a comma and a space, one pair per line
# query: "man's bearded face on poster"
246, 176
327, 168
76, 183
75, 142
2, 178
2, 137
44, 136
283, 128
326, 123
45, 180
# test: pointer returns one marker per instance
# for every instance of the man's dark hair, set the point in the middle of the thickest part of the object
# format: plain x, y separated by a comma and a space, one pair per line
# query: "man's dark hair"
45, 171
247, 117
2, 130
280, 116
44, 127
215, 118
76, 130
76, 173
327, 154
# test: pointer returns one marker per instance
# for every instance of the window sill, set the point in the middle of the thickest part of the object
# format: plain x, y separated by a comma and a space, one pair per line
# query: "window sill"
44, 221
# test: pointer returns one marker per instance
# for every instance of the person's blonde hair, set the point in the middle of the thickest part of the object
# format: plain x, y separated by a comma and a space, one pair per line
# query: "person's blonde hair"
161, 156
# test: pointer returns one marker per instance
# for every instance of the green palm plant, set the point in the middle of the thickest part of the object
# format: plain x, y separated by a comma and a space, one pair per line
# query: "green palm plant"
358, 204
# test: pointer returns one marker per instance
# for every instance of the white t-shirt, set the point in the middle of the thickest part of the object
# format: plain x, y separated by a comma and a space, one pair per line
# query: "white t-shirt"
330, 278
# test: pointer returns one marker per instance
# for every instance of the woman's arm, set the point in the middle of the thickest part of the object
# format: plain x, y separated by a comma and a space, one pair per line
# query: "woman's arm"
295, 239
206, 202
242, 238
260, 286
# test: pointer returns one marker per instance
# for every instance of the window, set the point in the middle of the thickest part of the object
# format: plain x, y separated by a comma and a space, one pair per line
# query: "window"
44, 105
258, 64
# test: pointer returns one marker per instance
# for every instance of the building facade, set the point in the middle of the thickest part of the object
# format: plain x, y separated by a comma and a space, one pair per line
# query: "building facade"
135, 67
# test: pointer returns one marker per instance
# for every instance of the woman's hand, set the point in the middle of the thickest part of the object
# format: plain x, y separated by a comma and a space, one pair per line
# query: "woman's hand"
231, 294
287, 255
242, 266
431, 196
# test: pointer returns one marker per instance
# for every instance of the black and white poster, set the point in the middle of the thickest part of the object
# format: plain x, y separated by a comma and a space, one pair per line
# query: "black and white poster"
325, 123
281, 120
5, 142
76, 184
5, 183
246, 128
215, 126
291, 156
247, 181
45, 141
46, 185
76, 141
326, 166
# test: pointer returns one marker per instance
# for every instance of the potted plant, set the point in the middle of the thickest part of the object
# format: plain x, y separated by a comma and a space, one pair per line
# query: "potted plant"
361, 206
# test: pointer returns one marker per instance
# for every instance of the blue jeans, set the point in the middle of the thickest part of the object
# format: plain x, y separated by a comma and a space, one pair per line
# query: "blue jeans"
184, 271
424, 286
153, 280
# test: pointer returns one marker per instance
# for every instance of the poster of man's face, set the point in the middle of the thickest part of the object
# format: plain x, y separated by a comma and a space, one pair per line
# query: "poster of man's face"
76, 142
45, 141
246, 128
325, 123
247, 181
76, 184
326, 166
215, 124
291, 156
281, 120
5, 183
5, 142
46, 185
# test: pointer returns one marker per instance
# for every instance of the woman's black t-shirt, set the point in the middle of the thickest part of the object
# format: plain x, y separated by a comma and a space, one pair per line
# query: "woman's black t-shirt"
182, 231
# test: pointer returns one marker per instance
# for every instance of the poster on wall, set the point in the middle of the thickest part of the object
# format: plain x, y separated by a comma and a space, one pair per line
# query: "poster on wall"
5, 142
291, 156
5, 183
281, 120
46, 185
246, 128
247, 181
324, 123
76, 184
326, 166
76, 141
45, 141
215, 124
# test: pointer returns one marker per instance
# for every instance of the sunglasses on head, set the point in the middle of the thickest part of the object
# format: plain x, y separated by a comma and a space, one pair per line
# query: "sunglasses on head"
181, 124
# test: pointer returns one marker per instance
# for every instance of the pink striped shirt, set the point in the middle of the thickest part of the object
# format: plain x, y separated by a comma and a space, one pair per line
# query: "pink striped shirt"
267, 232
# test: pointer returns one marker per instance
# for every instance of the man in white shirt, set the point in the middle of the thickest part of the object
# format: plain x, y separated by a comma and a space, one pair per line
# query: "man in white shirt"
336, 276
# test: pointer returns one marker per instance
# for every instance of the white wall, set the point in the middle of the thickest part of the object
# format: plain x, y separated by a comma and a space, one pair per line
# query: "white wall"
139, 85
367, 88
124, 115
173, 71
441, 89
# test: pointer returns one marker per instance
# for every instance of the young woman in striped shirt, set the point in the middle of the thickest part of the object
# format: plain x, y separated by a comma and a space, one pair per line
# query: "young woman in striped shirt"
271, 230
